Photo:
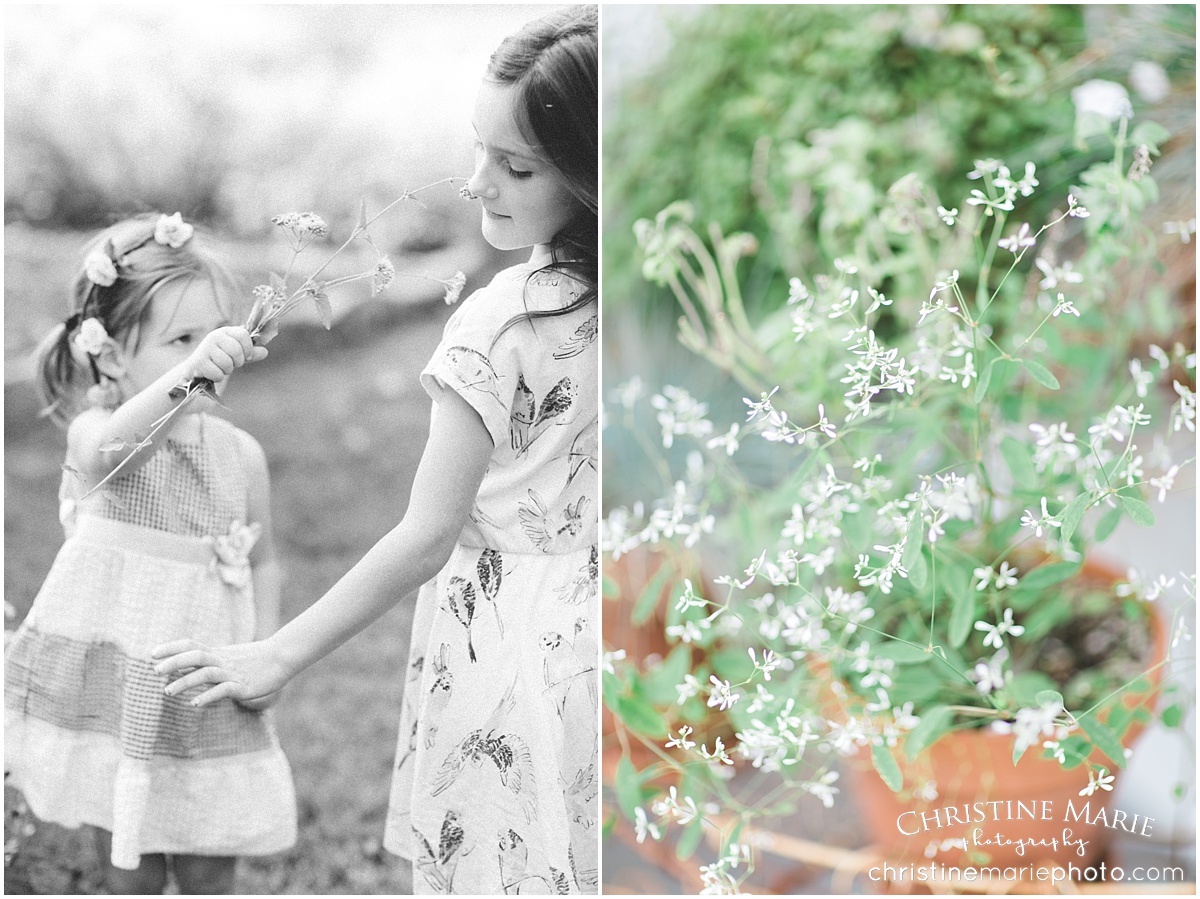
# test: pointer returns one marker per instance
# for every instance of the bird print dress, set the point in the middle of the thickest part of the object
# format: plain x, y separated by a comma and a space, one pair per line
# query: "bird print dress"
496, 775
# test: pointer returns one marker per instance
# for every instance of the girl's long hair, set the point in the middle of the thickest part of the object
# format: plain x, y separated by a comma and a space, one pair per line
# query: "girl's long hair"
552, 62
143, 267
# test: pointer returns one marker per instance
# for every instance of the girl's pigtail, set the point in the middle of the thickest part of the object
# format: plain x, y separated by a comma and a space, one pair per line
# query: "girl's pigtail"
58, 376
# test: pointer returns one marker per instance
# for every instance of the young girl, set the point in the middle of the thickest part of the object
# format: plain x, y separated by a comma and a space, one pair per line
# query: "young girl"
495, 786
177, 543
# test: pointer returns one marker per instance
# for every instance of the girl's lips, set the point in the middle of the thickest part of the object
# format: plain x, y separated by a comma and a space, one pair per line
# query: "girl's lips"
494, 215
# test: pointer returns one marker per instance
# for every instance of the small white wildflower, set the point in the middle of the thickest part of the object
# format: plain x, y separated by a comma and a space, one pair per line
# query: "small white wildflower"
1019, 241
1158, 587
989, 674
617, 655
1056, 750
996, 632
797, 292
383, 274
686, 632
728, 440
762, 407
1074, 209
1185, 229
721, 696
643, 827
454, 287
1098, 781
1007, 576
1038, 525
1164, 482
682, 740
690, 687
718, 753
1064, 305
947, 215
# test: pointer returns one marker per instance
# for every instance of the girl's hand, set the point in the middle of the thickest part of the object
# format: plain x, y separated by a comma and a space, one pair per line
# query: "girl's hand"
258, 705
246, 672
222, 352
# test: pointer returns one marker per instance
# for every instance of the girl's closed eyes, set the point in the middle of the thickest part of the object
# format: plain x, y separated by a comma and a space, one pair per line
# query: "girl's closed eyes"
505, 161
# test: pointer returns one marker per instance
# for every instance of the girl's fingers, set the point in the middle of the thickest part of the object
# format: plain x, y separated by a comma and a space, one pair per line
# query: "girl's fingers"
200, 657
174, 648
258, 354
227, 690
210, 674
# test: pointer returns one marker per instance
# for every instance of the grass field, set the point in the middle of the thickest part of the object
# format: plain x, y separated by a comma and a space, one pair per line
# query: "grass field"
343, 421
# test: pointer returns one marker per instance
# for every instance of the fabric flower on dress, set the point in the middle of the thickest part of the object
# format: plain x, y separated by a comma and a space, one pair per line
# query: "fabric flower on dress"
231, 553
172, 231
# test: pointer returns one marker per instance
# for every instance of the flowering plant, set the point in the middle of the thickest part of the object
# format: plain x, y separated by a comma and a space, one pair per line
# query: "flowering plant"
935, 434
276, 299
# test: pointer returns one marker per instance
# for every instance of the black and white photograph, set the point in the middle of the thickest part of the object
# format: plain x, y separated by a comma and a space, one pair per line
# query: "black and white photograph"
301, 449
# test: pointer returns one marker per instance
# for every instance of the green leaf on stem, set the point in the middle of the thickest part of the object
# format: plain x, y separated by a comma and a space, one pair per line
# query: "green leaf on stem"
934, 723
277, 283
648, 600
918, 572
962, 615
362, 215
1073, 515
1020, 462
1041, 374
1107, 524
638, 714
885, 764
912, 543
609, 587
629, 787
985, 379
324, 308
689, 839
1106, 741
1137, 510
1048, 575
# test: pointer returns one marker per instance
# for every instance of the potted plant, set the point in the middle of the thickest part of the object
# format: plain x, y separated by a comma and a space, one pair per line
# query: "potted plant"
896, 507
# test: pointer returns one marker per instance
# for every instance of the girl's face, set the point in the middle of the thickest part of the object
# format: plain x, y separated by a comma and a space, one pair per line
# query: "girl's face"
182, 312
526, 202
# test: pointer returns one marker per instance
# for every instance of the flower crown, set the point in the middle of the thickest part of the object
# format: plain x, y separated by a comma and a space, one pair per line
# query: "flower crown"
100, 266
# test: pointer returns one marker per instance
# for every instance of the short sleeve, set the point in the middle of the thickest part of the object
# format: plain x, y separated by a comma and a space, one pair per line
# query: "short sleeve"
479, 363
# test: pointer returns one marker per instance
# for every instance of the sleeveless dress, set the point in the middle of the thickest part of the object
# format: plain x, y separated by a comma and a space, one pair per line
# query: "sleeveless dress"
89, 735
495, 786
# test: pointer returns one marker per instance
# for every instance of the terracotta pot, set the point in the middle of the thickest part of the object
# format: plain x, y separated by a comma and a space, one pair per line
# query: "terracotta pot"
1037, 800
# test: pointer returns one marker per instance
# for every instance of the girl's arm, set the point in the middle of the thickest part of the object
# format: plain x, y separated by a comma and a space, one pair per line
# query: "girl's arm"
443, 493
215, 358
263, 561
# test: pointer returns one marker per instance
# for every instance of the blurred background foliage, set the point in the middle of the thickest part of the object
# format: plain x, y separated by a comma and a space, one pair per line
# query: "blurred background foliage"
792, 122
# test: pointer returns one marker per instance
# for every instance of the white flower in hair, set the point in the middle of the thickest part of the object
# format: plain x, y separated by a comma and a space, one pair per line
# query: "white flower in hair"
172, 231
91, 336
100, 269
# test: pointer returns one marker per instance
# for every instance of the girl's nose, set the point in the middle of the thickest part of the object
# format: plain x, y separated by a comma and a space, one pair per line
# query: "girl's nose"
480, 185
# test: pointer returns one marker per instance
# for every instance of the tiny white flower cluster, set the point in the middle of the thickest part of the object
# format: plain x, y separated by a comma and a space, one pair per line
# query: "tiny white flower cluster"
680, 413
